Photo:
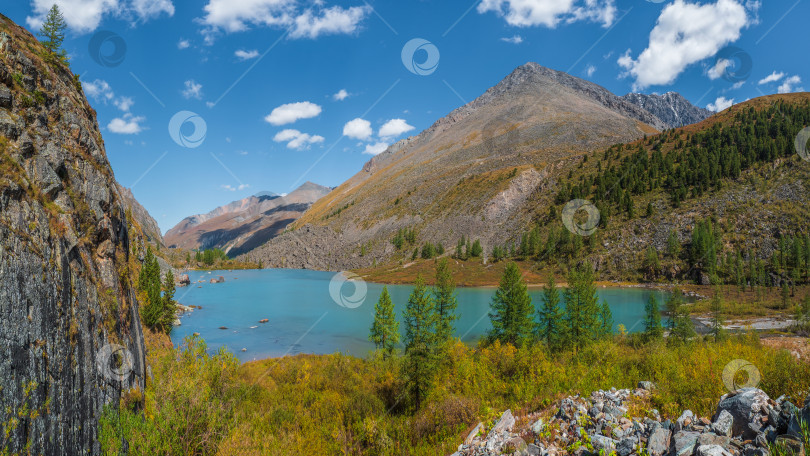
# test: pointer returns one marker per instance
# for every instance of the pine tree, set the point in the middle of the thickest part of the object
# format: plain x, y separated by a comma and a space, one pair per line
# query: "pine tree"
680, 324
53, 32
476, 250
444, 295
421, 358
581, 307
168, 304
550, 326
605, 321
511, 313
385, 329
652, 321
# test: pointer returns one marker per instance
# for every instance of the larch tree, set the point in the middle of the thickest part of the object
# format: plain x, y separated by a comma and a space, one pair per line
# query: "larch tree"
511, 310
385, 329
444, 296
421, 360
550, 323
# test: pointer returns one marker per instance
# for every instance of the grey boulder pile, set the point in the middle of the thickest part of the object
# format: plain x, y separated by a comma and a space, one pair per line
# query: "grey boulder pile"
746, 423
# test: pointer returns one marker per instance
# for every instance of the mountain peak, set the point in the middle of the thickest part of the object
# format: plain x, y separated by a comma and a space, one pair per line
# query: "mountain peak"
672, 108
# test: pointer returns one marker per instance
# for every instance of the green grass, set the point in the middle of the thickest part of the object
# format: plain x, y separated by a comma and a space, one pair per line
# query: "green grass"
335, 404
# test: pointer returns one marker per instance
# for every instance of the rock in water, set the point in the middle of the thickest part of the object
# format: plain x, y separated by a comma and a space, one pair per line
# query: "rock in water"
65, 314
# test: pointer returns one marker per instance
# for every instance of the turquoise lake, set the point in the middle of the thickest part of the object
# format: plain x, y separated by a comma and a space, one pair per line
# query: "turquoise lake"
304, 318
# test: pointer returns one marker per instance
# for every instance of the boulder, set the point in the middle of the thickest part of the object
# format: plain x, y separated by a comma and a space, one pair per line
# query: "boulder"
473, 434
649, 386
504, 424
659, 441
626, 447
723, 424
600, 442
746, 408
709, 438
683, 443
183, 280
685, 420
712, 450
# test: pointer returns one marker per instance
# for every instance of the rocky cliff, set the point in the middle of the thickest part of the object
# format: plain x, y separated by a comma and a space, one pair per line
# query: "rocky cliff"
672, 108
70, 335
141, 217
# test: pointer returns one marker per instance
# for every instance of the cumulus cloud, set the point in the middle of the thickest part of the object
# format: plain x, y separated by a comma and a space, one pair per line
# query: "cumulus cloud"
290, 112
394, 128
231, 188
297, 140
720, 104
719, 69
358, 129
183, 44
99, 90
126, 125
239, 15
517, 39
84, 16
246, 55
192, 90
375, 149
341, 95
685, 33
790, 85
549, 13
123, 103
773, 77
590, 70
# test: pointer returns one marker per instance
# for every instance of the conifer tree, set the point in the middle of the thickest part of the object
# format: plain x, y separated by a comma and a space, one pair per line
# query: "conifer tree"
511, 310
385, 329
168, 304
444, 295
652, 320
716, 307
550, 326
680, 324
605, 321
421, 358
53, 34
581, 307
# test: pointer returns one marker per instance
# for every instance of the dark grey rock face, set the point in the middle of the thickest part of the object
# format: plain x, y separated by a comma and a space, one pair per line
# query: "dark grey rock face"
67, 309
672, 108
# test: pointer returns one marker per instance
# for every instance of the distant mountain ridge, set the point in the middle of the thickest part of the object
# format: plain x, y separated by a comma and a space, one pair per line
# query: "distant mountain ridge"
469, 173
672, 108
244, 224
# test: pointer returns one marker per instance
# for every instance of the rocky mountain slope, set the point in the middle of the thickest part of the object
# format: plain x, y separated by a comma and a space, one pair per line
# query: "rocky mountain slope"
141, 216
672, 108
242, 225
70, 335
468, 174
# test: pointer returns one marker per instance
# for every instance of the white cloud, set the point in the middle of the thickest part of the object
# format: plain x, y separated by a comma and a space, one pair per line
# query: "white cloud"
548, 13
84, 16
246, 55
517, 39
773, 77
394, 128
341, 95
297, 140
231, 188
358, 129
720, 104
789, 85
719, 69
146, 9
239, 15
590, 70
290, 112
684, 34
192, 90
123, 103
126, 125
375, 149
183, 44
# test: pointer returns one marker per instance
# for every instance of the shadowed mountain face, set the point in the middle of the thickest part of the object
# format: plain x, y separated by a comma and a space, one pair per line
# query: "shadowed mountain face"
151, 230
469, 173
245, 224
67, 306
672, 108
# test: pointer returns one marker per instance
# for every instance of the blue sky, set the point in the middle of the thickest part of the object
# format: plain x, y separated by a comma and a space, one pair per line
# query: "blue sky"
269, 94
